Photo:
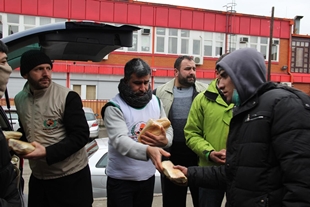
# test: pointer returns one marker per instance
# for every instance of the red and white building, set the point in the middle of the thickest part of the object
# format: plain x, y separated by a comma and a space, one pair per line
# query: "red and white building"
166, 32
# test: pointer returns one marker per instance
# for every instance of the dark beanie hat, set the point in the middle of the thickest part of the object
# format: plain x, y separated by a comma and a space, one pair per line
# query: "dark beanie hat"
31, 59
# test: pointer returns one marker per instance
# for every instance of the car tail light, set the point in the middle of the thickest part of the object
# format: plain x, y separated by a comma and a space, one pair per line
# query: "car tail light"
94, 124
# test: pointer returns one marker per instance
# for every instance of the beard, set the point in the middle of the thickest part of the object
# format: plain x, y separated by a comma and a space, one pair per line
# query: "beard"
39, 84
184, 81
135, 100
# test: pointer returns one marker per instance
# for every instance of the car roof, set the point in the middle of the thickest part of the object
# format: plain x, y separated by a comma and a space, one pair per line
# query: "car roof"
12, 108
87, 109
72, 40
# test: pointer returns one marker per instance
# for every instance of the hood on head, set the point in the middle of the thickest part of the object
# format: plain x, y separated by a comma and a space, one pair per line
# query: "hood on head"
246, 67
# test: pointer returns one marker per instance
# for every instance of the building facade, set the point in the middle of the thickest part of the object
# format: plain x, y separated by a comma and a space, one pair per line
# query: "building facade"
166, 32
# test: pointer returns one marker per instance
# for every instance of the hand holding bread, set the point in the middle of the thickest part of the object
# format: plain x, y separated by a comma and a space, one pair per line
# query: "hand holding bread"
20, 147
155, 127
175, 175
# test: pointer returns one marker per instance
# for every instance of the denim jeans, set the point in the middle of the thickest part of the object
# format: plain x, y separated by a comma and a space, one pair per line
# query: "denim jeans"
210, 197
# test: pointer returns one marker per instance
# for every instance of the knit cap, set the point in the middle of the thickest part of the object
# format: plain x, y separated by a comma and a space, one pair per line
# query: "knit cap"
31, 59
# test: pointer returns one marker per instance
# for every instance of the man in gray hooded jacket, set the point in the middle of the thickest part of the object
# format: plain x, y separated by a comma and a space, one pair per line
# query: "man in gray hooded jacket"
268, 156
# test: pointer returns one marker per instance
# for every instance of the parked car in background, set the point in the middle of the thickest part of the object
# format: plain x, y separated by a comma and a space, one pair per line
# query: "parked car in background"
92, 121
97, 151
12, 115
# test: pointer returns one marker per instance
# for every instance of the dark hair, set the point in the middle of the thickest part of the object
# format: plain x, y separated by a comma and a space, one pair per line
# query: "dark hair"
138, 67
217, 68
3, 48
178, 61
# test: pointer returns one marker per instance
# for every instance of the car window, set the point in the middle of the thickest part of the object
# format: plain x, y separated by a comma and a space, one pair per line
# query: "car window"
102, 163
12, 115
90, 116
4, 122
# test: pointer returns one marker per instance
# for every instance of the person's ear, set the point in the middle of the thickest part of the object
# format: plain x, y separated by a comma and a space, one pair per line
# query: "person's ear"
176, 72
25, 76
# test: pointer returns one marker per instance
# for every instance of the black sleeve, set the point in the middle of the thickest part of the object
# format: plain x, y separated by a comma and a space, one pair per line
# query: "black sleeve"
213, 177
77, 131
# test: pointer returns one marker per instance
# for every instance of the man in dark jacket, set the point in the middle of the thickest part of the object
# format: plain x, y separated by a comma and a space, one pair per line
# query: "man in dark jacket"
268, 156
9, 194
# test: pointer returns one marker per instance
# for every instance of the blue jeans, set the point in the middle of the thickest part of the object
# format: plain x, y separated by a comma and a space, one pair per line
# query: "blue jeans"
210, 197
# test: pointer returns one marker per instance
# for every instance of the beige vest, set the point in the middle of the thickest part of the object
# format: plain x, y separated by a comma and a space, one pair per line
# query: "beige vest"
41, 116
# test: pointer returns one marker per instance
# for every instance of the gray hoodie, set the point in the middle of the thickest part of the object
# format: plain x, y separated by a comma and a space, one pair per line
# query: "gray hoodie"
246, 67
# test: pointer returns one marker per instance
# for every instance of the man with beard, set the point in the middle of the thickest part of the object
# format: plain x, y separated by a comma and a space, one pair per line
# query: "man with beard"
177, 96
131, 163
60, 173
206, 133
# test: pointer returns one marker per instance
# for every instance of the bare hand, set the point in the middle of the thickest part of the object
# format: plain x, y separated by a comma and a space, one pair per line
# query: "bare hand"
155, 140
182, 168
155, 154
38, 153
218, 156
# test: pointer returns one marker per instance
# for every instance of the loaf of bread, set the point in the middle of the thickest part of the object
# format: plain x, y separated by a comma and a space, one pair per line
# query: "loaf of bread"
174, 175
20, 147
155, 126
12, 134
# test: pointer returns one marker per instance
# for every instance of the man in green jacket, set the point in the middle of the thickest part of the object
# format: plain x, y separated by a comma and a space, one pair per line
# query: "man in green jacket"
206, 133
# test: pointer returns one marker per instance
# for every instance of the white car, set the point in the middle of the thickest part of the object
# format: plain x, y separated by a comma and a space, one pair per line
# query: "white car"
12, 116
92, 121
97, 151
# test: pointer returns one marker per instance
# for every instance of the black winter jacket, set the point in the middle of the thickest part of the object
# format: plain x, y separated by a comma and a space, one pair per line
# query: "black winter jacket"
9, 194
268, 152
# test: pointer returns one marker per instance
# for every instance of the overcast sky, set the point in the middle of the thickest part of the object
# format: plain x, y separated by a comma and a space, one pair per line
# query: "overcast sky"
282, 8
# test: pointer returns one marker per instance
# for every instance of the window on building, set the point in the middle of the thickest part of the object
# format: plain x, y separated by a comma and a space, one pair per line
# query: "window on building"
145, 43
90, 92
219, 44
274, 52
196, 47
29, 22
263, 46
208, 43
160, 39
232, 39
78, 89
141, 41
45, 20
254, 42
185, 41
134, 42
13, 23
173, 41
300, 59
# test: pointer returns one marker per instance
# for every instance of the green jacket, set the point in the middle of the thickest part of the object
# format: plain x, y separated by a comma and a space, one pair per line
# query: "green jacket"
208, 123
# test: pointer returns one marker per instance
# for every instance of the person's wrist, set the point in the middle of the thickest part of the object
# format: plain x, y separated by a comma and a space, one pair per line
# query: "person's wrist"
207, 154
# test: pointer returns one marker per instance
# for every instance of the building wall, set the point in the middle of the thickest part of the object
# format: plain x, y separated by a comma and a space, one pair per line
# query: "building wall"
156, 15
